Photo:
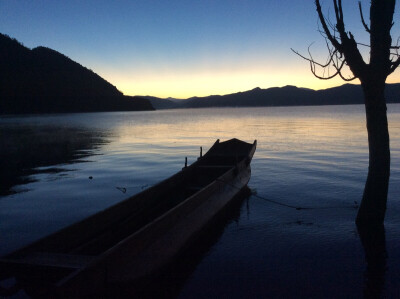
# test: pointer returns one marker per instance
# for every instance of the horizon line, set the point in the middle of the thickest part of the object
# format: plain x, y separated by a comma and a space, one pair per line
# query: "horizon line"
211, 95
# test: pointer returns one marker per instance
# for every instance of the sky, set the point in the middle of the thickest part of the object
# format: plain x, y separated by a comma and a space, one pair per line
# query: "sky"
180, 48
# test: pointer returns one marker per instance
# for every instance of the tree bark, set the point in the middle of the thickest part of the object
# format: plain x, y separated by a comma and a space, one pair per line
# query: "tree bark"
373, 205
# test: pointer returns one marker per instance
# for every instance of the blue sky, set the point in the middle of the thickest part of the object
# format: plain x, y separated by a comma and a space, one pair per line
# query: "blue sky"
182, 48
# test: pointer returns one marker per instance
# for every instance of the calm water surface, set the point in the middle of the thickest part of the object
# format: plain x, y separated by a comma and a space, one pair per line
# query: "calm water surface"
307, 156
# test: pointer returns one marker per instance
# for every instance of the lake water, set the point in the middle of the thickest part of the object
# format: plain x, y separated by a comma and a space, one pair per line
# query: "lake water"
307, 157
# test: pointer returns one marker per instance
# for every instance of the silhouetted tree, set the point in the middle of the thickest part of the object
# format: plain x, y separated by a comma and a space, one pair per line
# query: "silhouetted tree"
343, 51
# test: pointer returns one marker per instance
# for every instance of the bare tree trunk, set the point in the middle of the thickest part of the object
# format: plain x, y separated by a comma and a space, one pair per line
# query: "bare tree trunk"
343, 50
373, 205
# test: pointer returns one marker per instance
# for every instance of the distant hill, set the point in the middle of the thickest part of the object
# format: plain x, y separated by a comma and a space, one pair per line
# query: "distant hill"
281, 96
42, 80
162, 103
159, 103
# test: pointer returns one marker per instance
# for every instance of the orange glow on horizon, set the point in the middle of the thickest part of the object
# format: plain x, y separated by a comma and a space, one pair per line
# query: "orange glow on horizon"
186, 84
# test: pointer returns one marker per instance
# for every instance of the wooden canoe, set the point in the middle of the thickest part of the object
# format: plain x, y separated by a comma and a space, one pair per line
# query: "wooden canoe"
138, 236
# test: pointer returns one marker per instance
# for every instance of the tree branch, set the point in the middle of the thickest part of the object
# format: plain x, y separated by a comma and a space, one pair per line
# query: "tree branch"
362, 18
339, 19
333, 54
347, 45
394, 65
339, 69
312, 60
332, 39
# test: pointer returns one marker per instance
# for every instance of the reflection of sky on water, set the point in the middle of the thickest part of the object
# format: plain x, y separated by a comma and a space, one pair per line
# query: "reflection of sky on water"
306, 156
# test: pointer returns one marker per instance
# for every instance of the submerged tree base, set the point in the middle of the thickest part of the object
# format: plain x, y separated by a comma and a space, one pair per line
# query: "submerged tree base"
373, 240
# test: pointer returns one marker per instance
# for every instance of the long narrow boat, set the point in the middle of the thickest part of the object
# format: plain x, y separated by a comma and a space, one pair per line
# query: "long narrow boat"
139, 235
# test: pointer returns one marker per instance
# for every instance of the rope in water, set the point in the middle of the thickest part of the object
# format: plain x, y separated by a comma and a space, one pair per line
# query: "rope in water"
276, 202
355, 206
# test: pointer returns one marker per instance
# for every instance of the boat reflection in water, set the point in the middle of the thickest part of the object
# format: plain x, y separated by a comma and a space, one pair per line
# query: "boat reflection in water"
169, 282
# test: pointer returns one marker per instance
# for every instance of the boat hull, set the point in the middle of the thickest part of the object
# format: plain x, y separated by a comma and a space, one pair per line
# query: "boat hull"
147, 250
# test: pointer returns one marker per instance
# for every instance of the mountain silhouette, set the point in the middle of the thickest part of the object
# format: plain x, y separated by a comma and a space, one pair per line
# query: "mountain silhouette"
280, 96
43, 80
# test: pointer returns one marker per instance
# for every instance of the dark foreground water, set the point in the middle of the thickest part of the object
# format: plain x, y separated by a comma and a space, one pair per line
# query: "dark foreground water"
65, 167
